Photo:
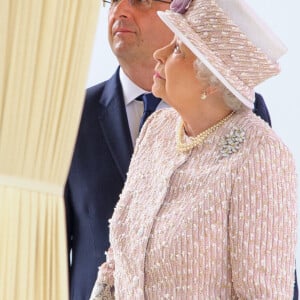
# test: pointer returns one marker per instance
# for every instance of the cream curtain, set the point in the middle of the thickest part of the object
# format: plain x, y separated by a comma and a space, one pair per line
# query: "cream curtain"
45, 48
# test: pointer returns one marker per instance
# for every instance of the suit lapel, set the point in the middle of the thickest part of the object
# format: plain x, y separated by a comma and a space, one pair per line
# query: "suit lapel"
114, 124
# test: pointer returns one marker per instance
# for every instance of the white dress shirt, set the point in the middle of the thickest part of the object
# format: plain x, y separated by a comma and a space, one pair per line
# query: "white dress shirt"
134, 109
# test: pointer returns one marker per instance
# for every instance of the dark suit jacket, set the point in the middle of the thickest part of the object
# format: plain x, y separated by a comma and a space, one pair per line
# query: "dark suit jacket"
97, 174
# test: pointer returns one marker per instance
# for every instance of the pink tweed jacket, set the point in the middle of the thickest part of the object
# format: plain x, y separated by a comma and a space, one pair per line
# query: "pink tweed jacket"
216, 222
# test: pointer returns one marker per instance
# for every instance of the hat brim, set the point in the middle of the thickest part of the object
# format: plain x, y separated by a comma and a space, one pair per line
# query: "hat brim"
181, 28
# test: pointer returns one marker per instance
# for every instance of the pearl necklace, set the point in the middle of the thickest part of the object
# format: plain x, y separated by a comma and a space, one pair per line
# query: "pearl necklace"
199, 139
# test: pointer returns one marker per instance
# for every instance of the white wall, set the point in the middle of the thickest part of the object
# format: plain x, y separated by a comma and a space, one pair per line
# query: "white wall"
282, 93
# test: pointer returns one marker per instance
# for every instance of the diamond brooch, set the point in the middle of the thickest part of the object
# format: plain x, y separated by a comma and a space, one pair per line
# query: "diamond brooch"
231, 142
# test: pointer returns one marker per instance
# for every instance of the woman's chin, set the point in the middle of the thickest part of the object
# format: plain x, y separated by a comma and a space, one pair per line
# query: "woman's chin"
156, 92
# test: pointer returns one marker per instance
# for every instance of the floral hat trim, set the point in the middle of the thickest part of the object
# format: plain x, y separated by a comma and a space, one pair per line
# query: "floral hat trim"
180, 6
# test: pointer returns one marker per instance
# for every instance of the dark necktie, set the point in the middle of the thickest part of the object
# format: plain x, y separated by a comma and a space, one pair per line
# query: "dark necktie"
150, 104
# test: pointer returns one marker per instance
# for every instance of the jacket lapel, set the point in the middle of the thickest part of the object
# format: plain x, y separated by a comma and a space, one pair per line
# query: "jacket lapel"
114, 124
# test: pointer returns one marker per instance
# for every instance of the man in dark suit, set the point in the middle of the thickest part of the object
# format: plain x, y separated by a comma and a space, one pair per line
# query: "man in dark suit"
106, 137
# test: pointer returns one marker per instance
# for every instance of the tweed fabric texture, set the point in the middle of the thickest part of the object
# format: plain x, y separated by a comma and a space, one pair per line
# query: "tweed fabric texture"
201, 224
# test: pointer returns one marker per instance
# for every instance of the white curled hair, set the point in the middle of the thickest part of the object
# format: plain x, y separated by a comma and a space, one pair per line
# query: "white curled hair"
203, 73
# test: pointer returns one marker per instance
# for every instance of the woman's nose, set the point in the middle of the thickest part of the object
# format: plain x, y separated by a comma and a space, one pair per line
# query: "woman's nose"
162, 54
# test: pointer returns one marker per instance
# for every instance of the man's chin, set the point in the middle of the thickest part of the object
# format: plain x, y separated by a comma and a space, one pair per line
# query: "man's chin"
122, 49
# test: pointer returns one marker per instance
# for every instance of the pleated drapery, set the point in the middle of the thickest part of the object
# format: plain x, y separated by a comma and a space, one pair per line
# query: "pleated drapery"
45, 48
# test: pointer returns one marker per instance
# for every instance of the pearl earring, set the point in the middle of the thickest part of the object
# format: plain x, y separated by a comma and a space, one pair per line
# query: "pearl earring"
208, 91
203, 95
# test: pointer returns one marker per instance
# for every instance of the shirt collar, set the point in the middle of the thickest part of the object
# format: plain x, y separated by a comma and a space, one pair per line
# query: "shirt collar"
130, 90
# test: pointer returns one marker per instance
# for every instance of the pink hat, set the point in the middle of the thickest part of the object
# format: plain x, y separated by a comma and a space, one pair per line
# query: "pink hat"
230, 39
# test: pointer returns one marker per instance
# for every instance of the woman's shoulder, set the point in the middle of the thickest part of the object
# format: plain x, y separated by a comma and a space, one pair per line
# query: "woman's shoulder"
258, 132
256, 126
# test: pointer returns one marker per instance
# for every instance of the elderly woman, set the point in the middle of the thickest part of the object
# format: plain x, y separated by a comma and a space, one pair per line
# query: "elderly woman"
208, 210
